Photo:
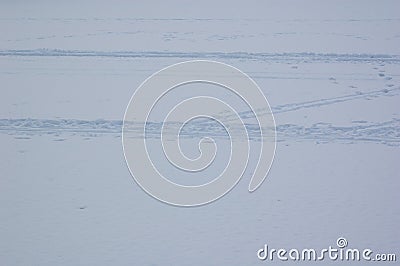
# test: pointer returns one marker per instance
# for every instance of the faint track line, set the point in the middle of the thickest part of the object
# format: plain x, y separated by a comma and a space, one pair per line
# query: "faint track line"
327, 101
387, 132
274, 57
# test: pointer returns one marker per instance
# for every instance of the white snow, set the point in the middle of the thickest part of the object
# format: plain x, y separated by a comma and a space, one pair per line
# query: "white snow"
330, 71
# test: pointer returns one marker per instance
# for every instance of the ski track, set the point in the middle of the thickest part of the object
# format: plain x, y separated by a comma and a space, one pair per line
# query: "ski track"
274, 57
387, 132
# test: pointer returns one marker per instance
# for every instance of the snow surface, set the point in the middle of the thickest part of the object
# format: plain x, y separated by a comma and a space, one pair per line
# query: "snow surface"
331, 73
